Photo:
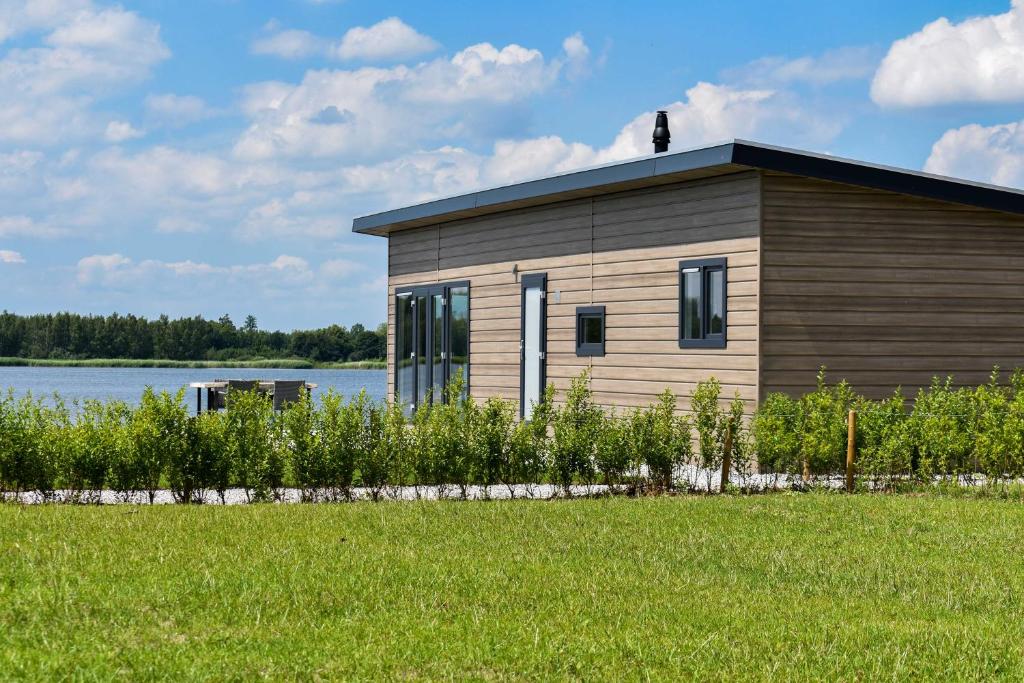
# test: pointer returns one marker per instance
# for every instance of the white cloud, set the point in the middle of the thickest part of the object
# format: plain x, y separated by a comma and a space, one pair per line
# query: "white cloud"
165, 171
177, 110
284, 273
357, 112
93, 268
845, 63
390, 39
517, 160
33, 15
8, 256
47, 90
978, 60
24, 226
577, 57
713, 113
288, 43
119, 131
993, 154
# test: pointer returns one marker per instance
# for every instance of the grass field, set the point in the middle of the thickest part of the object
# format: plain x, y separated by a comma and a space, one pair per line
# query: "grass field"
285, 363
768, 587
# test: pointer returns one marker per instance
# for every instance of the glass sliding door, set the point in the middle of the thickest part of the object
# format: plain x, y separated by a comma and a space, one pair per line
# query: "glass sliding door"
533, 342
431, 342
405, 353
458, 335
437, 354
422, 368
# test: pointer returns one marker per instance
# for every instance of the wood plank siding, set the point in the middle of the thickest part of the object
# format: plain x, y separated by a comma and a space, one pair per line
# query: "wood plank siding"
885, 289
619, 250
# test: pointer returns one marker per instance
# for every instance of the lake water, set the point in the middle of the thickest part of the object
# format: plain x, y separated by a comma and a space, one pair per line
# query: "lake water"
127, 384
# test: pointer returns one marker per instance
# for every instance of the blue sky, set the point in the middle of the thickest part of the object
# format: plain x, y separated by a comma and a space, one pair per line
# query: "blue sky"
208, 157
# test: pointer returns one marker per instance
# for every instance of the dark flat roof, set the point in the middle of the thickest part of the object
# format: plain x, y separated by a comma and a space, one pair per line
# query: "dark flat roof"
669, 167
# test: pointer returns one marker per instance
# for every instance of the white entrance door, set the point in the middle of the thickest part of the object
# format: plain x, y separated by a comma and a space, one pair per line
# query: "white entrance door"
533, 343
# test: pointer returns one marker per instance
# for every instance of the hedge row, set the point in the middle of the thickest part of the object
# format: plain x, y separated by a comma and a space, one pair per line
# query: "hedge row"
329, 448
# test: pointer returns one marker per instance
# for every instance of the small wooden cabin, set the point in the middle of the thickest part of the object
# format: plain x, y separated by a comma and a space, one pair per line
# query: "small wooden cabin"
751, 263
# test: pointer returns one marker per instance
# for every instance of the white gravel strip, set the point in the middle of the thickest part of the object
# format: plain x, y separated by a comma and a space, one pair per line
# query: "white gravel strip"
690, 479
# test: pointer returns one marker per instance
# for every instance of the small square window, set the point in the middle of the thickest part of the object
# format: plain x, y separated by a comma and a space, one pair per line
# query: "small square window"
590, 331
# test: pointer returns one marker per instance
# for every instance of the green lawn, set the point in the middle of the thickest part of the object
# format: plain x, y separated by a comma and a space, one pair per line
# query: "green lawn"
764, 587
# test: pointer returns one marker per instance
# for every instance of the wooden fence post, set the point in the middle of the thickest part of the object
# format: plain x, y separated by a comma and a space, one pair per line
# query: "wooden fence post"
726, 456
851, 448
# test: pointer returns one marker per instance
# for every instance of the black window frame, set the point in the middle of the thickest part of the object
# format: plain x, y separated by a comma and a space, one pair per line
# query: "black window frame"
707, 340
428, 291
589, 349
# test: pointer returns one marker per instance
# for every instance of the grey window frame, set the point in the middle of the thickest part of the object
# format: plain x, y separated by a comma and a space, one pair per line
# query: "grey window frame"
584, 349
428, 291
706, 340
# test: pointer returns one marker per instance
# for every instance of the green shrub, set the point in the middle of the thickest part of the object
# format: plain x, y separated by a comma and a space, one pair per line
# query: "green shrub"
824, 414
996, 452
671, 443
396, 450
342, 427
210, 439
305, 433
452, 448
125, 473
200, 465
531, 446
387, 435
158, 430
31, 446
494, 443
885, 441
709, 421
612, 455
740, 453
943, 422
256, 461
576, 428
95, 441
1013, 427
776, 429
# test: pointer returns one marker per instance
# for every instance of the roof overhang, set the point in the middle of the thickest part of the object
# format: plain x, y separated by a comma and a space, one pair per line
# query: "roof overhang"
702, 162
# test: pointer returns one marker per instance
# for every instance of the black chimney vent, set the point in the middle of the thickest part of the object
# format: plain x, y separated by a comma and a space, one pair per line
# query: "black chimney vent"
662, 136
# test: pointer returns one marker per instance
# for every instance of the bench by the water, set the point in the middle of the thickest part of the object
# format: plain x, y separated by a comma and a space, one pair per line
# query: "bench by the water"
279, 391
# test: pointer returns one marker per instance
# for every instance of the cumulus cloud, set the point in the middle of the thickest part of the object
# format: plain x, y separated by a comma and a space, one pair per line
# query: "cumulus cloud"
8, 256
977, 60
47, 89
993, 154
177, 110
390, 39
288, 43
713, 112
24, 226
119, 131
356, 112
709, 113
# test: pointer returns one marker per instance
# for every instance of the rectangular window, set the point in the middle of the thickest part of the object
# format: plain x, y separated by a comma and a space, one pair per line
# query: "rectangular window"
702, 303
590, 331
431, 342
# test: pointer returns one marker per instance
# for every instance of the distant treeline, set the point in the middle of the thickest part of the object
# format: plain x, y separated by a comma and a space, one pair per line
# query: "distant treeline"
73, 336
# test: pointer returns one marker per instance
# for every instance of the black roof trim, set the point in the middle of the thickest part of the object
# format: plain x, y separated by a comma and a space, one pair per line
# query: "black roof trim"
724, 158
878, 177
